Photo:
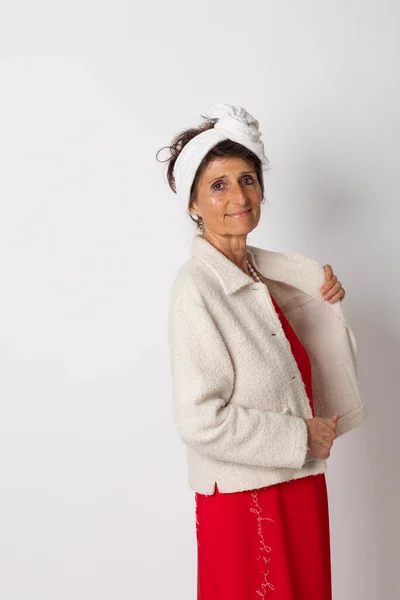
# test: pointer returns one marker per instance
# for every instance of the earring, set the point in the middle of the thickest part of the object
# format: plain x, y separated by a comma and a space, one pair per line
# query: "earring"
199, 221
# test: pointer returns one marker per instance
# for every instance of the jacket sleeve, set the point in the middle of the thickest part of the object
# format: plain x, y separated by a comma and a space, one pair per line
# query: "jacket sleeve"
202, 384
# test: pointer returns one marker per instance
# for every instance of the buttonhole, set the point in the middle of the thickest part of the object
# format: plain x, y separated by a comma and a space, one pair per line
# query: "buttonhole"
273, 333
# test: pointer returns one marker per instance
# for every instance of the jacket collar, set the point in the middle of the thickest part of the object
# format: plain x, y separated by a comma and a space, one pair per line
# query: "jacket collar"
293, 269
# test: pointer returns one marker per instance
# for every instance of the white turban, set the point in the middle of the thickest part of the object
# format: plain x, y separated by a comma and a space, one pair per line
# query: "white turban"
230, 122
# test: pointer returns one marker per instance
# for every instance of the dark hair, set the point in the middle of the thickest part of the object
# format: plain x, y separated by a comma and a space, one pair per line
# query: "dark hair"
224, 148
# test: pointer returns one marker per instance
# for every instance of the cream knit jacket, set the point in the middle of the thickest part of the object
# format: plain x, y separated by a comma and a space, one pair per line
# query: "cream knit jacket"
239, 401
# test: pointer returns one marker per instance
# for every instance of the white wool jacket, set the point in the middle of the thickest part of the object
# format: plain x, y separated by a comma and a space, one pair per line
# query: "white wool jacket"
239, 401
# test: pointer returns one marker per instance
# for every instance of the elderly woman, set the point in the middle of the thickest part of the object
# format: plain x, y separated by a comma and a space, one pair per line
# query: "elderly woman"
264, 376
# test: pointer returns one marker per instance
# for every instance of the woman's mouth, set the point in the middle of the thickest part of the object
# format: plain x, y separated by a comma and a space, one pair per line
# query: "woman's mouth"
240, 214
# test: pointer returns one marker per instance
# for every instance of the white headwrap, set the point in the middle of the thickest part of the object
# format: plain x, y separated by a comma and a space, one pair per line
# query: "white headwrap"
230, 122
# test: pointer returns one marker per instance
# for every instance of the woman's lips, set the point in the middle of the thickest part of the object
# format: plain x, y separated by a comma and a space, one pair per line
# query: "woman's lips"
240, 214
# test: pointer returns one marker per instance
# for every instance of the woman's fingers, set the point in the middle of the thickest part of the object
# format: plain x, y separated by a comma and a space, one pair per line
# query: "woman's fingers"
329, 423
332, 290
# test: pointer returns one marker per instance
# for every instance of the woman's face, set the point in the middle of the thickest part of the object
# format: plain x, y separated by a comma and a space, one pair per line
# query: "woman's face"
228, 186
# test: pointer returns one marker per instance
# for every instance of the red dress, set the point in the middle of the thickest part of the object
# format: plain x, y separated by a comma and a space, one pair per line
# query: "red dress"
272, 542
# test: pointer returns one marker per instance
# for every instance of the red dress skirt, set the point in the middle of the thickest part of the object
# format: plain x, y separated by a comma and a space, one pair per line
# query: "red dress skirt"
271, 542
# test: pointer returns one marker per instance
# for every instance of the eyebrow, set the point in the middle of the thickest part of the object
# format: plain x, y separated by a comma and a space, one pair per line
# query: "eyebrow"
240, 174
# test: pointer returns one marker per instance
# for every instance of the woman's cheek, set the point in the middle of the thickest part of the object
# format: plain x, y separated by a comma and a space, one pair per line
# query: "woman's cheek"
214, 202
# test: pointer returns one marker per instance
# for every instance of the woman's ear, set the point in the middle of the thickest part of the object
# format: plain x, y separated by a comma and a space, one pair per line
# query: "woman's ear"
193, 210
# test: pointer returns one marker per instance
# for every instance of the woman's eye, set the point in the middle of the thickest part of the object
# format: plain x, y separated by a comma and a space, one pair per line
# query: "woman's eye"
249, 178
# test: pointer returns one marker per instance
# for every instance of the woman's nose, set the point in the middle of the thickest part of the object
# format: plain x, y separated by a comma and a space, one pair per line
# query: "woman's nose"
239, 195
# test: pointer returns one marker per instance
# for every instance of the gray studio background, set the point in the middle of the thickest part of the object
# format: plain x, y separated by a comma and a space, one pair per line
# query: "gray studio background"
94, 499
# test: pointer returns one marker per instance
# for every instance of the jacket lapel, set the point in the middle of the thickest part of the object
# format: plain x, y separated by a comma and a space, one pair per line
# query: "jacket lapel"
231, 277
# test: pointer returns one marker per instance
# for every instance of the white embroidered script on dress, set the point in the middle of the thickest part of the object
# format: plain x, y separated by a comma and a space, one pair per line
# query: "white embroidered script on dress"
196, 518
263, 547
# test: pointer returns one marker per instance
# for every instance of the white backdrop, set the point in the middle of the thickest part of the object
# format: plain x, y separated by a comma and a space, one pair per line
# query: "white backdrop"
94, 499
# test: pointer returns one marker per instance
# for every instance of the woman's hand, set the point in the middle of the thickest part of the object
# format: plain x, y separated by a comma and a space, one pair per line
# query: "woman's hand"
332, 289
321, 433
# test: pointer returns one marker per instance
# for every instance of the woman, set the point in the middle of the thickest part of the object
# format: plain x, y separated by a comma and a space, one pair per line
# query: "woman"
264, 376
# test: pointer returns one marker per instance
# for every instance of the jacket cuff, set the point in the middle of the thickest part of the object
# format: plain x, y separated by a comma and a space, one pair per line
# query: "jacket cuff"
300, 448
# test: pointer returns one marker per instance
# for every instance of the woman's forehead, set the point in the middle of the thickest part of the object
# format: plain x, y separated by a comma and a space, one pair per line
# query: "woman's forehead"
220, 166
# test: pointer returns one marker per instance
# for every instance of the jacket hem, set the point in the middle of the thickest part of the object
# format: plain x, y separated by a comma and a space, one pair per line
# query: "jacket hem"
317, 466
